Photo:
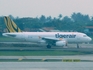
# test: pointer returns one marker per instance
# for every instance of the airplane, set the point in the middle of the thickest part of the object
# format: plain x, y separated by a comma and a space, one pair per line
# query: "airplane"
48, 38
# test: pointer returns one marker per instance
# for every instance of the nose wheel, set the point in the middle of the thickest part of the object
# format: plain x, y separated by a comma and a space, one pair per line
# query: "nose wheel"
78, 46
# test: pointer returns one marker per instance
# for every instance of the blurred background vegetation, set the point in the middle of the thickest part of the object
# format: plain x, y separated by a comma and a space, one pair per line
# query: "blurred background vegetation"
77, 22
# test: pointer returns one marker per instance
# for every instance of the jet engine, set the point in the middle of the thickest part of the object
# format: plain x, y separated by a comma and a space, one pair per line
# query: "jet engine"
61, 43
42, 42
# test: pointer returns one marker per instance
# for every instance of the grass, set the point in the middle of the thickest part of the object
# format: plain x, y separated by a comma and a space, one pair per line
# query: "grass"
38, 53
7, 39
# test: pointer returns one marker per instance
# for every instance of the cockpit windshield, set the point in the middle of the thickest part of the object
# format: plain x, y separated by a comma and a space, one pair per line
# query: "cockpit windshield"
84, 35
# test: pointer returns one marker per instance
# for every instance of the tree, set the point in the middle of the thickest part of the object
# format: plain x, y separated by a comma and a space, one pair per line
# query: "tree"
80, 21
60, 16
11, 17
42, 19
67, 23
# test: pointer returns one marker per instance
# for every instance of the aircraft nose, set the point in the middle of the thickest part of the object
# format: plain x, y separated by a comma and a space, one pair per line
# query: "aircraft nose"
90, 39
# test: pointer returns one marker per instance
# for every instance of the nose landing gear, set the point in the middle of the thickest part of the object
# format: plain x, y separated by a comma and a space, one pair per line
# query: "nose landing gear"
78, 46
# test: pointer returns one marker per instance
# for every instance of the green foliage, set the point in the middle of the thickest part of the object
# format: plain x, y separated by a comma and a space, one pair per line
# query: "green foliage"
38, 53
8, 39
76, 22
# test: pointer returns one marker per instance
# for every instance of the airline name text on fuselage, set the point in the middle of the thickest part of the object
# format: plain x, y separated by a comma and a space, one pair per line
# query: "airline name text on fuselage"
65, 35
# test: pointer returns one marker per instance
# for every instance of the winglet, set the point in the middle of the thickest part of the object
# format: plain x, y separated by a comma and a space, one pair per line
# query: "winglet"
11, 26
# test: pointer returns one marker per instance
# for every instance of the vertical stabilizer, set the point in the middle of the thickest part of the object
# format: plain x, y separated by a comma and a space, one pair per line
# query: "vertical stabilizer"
11, 26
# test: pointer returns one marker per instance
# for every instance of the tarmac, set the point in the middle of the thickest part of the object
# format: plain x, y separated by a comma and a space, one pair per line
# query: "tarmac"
67, 58
67, 62
46, 65
17, 46
82, 62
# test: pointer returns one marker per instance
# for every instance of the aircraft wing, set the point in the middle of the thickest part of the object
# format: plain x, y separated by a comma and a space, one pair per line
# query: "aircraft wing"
52, 40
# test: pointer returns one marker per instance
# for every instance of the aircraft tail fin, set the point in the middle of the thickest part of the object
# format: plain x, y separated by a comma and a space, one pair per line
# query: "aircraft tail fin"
11, 26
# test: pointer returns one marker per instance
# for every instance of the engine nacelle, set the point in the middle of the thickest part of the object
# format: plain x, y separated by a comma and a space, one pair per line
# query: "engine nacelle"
61, 43
42, 42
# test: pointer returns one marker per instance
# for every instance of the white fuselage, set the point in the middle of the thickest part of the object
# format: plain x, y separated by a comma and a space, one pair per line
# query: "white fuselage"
37, 36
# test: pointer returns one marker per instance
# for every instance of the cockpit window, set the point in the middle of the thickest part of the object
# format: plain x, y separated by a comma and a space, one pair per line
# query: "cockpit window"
84, 35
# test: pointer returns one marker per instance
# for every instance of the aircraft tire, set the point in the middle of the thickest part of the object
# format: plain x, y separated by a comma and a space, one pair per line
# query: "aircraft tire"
78, 46
48, 46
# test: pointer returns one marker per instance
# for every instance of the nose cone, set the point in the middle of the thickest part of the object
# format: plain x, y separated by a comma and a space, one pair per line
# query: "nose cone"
89, 39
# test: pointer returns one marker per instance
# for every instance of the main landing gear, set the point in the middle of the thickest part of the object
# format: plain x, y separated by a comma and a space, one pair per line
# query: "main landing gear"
48, 46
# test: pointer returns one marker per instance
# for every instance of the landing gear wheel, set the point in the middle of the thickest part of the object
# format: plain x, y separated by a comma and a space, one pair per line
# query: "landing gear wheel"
77, 45
66, 45
48, 46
